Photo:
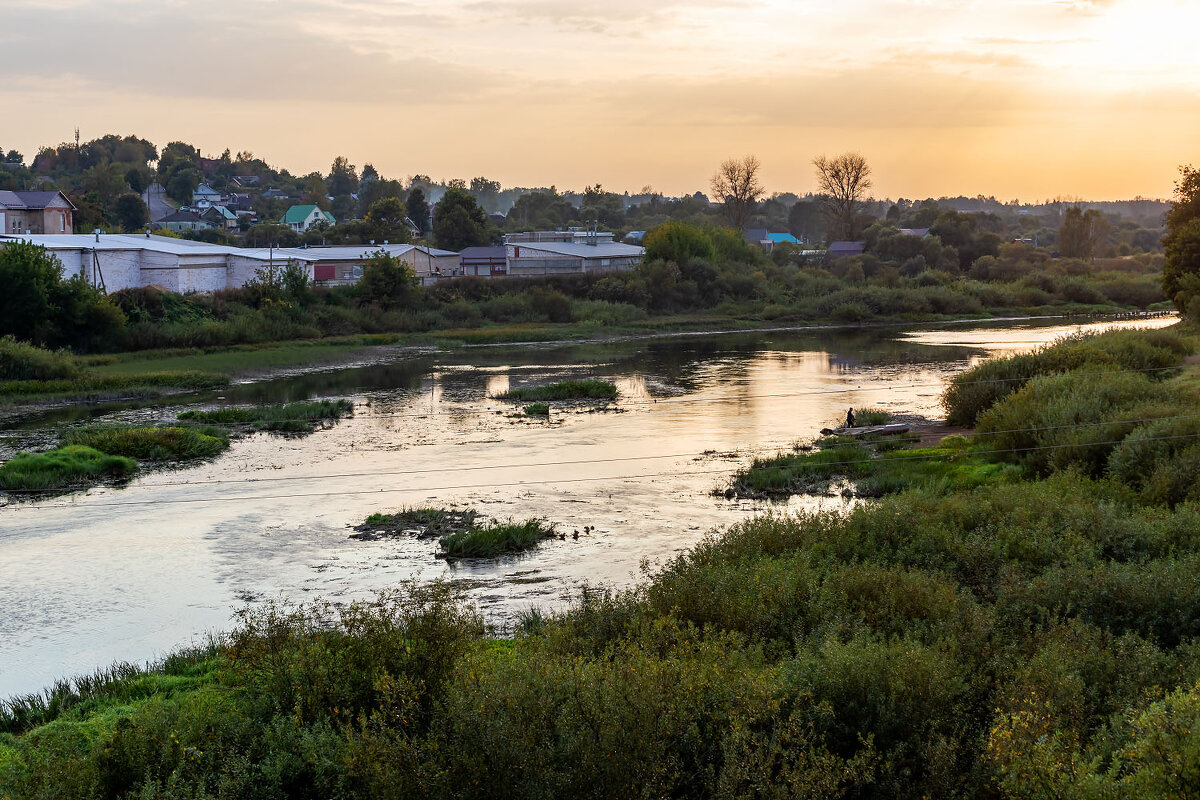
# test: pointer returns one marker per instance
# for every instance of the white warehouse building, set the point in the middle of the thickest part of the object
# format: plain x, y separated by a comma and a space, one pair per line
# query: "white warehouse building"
120, 261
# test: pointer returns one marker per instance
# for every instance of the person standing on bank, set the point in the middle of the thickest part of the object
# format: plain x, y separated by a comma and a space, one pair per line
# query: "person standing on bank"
850, 417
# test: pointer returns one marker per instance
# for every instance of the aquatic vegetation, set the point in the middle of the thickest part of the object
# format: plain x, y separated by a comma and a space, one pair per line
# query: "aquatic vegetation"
63, 468
424, 523
873, 469
589, 389
166, 443
299, 417
496, 539
537, 410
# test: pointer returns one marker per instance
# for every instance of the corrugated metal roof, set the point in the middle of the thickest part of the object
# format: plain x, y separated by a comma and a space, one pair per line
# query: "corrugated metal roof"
155, 244
602, 250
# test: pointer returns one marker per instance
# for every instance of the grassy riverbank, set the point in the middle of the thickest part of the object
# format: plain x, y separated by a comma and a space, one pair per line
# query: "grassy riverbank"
1036, 636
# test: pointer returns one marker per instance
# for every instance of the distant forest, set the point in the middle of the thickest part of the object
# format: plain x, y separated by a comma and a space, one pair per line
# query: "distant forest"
106, 176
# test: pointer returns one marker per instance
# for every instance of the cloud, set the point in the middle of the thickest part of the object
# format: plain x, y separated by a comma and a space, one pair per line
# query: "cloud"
217, 52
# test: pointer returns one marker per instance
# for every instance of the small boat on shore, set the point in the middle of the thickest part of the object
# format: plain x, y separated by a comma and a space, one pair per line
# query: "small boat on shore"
868, 430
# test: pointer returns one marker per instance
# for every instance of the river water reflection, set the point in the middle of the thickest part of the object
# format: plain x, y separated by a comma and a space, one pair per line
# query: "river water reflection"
127, 574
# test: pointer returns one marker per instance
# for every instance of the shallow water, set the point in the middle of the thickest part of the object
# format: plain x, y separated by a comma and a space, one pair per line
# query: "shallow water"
130, 573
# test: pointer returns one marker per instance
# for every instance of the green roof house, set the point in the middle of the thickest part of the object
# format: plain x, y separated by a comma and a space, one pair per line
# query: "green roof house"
301, 218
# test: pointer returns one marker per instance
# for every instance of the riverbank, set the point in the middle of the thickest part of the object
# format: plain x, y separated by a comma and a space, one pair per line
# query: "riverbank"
1028, 637
148, 374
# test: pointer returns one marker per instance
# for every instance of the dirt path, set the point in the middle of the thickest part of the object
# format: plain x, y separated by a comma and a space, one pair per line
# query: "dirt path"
933, 431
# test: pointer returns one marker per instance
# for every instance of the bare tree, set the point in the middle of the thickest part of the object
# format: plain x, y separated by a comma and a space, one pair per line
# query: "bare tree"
843, 182
735, 183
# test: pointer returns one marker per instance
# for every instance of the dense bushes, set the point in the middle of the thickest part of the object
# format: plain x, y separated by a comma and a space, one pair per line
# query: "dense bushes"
39, 306
974, 391
922, 646
20, 361
688, 269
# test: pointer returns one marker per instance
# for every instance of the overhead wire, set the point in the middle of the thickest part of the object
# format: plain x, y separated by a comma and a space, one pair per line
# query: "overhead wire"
740, 451
665, 401
555, 481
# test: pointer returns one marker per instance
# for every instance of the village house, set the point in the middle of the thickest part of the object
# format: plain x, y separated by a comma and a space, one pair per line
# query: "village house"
488, 262
301, 218
845, 249
36, 212
184, 222
341, 265
205, 196
220, 217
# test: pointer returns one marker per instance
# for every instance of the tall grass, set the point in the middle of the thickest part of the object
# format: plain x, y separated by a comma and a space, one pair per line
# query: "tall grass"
589, 389
499, 538
291, 417
20, 361
89, 385
62, 468
168, 443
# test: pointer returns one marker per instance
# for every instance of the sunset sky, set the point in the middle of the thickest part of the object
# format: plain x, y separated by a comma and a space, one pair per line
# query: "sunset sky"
1024, 99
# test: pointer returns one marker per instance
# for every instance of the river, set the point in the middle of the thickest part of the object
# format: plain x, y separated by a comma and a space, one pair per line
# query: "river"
130, 573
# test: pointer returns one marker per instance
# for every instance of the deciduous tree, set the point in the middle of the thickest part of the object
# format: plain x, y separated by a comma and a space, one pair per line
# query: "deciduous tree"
131, 212
842, 182
1082, 233
736, 185
1181, 272
459, 222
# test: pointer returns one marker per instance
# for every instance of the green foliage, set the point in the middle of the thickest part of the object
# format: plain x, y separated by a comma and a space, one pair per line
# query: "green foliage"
39, 306
386, 217
131, 212
1181, 272
62, 468
497, 539
459, 222
589, 389
29, 275
24, 362
537, 410
974, 391
168, 443
299, 417
386, 281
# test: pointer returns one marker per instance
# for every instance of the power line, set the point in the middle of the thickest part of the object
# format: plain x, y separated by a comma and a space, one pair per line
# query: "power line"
666, 401
759, 448
555, 481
